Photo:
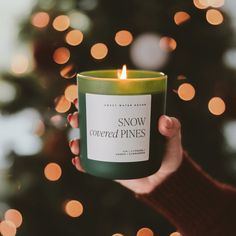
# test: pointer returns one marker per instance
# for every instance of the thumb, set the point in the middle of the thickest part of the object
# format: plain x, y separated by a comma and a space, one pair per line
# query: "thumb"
170, 127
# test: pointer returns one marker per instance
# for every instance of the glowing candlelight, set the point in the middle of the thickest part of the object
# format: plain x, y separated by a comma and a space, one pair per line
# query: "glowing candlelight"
123, 74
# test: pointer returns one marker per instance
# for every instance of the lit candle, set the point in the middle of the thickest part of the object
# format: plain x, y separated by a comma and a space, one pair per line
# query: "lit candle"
119, 112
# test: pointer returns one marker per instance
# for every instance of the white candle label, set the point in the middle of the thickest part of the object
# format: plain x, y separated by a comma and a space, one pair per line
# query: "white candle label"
118, 127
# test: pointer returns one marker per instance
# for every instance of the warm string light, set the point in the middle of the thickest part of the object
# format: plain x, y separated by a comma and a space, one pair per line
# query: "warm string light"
181, 17
216, 106
71, 92
186, 91
7, 228
40, 19
61, 23
12, 220
99, 51
203, 4
176, 234
68, 71
62, 105
168, 44
14, 216
74, 37
52, 171
61, 55
145, 232
123, 38
73, 208
214, 17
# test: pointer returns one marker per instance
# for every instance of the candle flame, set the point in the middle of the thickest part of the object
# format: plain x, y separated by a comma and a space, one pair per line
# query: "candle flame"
123, 74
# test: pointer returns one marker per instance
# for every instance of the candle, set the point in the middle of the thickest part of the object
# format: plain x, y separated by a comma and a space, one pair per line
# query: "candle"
118, 112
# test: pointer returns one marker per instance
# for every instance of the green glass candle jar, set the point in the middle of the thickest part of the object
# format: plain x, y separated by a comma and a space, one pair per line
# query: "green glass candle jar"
119, 137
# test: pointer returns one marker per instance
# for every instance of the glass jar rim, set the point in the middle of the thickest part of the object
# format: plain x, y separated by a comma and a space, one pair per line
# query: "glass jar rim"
112, 75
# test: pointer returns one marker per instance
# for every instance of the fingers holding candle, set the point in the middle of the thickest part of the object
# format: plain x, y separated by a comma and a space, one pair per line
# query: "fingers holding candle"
75, 102
77, 164
169, 126
73, 119
74, 146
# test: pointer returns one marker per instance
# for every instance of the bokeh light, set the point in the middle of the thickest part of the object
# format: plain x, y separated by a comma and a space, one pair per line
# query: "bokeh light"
99, 51
88, 5
14, 216
7, 228
205, 3
168, 44
216, 3
214, 17
175, 234
145, 232
20, 64
79, 20
39, 129
52, 171
146, 53
229, 132
40, 19
62, 104
7, 91
180, 17
123, 38
61, 55
200, 4
71, 92
181, 77
74, 37
186, 91
117, 234
61, 23
68, 71
230, 58
216, 106
57, 121
73, 208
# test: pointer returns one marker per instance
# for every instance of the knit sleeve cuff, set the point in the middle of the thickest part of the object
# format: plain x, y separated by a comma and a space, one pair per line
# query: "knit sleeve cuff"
186, 198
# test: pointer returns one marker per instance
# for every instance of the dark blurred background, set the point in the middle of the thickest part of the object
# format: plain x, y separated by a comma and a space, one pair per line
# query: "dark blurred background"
44, 43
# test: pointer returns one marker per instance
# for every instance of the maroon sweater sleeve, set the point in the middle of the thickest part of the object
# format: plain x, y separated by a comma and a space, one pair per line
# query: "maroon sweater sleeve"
194, 203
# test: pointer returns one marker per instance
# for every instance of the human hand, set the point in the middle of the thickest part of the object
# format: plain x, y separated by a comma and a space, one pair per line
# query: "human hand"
168, 127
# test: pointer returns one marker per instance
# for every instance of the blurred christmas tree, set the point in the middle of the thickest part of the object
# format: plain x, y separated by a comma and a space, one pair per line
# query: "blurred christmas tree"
184, 39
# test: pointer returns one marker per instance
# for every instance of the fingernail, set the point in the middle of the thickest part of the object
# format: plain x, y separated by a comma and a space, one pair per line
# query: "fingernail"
168, 121
71, 143
69, 117
75, 101
73, 161
74, 146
